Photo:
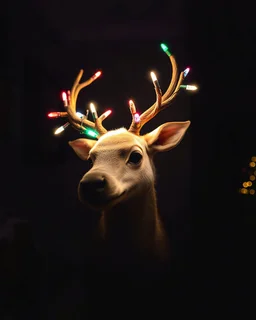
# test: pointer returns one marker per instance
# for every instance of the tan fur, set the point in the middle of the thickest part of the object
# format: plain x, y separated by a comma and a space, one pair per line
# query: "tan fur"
130, 229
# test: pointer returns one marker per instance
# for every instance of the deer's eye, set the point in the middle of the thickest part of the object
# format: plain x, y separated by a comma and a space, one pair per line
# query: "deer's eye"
135, 157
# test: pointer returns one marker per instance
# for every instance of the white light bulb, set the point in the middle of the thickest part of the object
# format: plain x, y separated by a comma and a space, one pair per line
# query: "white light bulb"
186, 71
92, 107
153, 76
59, 130
192, 88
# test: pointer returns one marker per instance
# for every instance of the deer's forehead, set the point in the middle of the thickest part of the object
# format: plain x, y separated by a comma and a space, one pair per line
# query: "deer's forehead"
118, 141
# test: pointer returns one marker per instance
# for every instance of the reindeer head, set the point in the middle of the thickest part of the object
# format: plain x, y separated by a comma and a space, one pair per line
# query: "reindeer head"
122, 166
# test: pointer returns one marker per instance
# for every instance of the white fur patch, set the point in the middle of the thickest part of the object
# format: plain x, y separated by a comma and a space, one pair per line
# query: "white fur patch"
113, 133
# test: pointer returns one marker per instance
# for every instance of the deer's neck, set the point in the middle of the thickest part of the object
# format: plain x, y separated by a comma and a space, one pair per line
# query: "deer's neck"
133, 229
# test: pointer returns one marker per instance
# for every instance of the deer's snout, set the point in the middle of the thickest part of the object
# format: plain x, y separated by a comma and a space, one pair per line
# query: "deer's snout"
92, 188
93, 183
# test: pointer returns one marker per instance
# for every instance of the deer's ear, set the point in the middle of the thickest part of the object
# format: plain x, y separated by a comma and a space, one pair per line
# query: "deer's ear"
82, 147
166, 136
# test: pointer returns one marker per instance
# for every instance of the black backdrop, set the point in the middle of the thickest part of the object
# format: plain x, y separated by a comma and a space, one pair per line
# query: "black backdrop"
43, 227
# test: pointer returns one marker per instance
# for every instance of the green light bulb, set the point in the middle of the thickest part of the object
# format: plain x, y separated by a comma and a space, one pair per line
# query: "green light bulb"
91, 133
165, 49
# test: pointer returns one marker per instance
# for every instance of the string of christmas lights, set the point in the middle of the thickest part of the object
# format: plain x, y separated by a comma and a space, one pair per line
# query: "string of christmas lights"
93, 134
136, 116
89, 132
64, 126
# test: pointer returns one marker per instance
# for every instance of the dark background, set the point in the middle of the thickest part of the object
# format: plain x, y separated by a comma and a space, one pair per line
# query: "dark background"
44, 227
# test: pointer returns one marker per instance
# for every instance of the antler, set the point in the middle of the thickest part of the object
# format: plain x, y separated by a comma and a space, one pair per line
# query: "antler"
162, 101
78, 123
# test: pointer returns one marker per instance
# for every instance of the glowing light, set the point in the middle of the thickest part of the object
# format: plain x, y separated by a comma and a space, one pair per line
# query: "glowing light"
153, 76
249, 183
252, 177
64, 98
136, 118
54, 114
189, 87
106, 114
244, 191
91, 133
93, 111
252, 164
245, 185
92, 108
186, 71
252, 191
59, 130
96, 75
80, 115
132, 107
62, 128
156, 83
62, 114
165, 49
253, 159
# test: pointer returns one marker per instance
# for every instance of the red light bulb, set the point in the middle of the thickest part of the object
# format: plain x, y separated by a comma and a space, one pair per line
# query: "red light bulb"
108, 112
96, 75
132, 107
53, 114
64, 96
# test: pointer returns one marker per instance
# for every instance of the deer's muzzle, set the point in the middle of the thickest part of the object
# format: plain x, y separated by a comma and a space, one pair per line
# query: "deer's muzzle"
94, 189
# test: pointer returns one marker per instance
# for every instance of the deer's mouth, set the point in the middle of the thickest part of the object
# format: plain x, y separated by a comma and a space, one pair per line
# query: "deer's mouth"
103, 201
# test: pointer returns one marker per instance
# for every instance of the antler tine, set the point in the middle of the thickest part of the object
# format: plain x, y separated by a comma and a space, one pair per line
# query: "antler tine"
78, 123
162, 101
174, 78
168, 99
74, 120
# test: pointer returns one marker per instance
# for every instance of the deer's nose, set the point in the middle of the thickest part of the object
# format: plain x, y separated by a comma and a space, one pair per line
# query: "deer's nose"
92, 184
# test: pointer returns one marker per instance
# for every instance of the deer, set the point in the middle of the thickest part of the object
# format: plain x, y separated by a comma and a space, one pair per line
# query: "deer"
120, 183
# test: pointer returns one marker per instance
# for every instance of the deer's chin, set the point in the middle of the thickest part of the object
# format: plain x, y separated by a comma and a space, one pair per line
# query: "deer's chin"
102, 203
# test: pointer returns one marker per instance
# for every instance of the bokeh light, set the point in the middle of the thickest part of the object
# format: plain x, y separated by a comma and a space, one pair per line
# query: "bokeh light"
252, 164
